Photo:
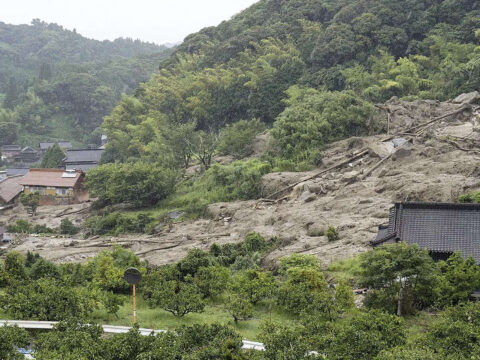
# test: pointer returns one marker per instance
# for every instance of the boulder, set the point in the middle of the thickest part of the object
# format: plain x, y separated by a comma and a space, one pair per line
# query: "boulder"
469, 98
401, 154
350, 176
381, 149
316, 229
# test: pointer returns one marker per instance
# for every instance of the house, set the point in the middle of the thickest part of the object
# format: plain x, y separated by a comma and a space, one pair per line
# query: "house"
10, 190
441, 228
56, 186
16, 171
84, 159
64, 145
27, 155
10, 151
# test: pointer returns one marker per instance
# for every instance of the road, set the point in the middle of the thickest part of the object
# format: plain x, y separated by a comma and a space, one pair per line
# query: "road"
111, 329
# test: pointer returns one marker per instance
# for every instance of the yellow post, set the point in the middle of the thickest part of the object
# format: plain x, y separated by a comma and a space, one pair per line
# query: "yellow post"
134, 306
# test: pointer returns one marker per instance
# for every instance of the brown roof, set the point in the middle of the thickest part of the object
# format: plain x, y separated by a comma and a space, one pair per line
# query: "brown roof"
10, 188
51, 177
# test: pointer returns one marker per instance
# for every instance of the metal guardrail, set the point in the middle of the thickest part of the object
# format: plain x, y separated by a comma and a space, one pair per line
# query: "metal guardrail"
111, 329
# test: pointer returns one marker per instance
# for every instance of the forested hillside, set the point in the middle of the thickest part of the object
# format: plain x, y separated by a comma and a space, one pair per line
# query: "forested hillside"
57, 84
309, 69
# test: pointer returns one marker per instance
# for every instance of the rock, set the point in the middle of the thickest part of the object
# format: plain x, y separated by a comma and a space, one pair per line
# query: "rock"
469, 98
401, 154
316, 188
398, 142
223, 160
350, 176
316, 229
381, 149
193, 170
158, 228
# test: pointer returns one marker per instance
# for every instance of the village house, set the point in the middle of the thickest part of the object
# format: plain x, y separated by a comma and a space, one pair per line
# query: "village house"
27, 155
64, 145
83, 159
56, 187
10, 190
9, 152
441, 228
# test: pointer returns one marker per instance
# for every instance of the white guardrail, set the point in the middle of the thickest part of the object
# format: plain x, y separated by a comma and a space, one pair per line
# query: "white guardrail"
111, 329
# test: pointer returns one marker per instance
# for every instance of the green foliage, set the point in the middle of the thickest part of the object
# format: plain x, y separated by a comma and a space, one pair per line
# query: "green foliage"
112, 302
193, 261
211, 281
383, 267
237, 139
332, 234
67, 227
53, 158
239, 307
253, 285
254, 242
12, 337
366, 334
459, 279
344, 298
138, 183
407, 353
30, 201
471, 198
282, 342
314, 118
306, 290
22, 226
71, 340
456, 334
40, 300
115, 223
298, 261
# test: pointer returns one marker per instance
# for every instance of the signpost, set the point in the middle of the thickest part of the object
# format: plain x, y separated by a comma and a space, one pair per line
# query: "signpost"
133, 277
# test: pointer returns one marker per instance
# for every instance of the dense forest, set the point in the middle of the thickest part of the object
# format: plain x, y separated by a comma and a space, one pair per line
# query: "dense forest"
58, 85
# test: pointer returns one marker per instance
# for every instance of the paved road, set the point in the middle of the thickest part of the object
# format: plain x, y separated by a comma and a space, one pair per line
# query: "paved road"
48, 325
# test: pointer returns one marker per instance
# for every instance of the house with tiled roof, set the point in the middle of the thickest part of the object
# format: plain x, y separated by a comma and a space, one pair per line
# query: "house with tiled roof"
64, 145
441, 228
10, 190
55, 186
83, 159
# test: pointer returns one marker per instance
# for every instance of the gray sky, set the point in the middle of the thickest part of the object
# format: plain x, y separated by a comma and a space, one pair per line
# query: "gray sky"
159, 21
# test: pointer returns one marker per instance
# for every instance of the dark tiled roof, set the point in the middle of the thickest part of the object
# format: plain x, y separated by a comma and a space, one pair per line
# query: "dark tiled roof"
62, 144
438, 227
16, 171
83, 156
10, 148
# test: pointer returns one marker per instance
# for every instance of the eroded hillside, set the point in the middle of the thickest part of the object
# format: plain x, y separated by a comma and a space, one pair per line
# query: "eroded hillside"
430, 154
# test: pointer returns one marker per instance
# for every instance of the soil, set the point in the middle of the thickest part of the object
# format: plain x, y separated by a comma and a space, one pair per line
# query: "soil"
438, 164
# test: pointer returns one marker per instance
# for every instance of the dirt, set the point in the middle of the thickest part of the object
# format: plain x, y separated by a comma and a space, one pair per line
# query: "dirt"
438, 164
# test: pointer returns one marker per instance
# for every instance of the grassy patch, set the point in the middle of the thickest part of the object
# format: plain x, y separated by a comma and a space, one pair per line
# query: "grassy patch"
214, 313
347, 270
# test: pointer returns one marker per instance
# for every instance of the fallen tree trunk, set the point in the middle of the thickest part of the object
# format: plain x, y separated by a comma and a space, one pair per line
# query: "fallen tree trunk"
336, 166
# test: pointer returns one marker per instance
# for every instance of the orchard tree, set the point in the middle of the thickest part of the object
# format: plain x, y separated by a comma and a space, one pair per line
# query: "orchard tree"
400, 271
253, 285
11, 338
239, 307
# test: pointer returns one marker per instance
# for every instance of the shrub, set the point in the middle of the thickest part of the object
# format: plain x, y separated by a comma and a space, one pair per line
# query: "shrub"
472, 197
237, 139
67, 227
21, 227
298, 261
118, 223
254, 242
332, 234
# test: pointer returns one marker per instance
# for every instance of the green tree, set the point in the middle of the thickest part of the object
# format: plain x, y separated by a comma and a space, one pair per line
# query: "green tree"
139, 183
11, 96
366, 334
30, 201
237, 139
283, 343
239, 307
53, 158
212, 280
401, 272
306, 290
344, 298
12, 337
253, 285
67, 227
459, 279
